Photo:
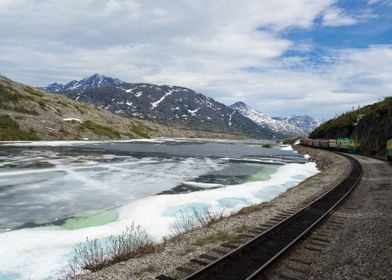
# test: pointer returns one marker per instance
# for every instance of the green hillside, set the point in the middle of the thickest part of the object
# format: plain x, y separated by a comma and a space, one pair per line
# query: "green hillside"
371, 125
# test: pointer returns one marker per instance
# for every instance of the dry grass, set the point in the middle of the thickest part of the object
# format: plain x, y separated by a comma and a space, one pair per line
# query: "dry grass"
186, 221
95, 254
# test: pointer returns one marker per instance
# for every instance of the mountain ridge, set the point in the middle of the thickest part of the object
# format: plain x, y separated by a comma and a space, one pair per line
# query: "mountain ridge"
28, 113
169, 105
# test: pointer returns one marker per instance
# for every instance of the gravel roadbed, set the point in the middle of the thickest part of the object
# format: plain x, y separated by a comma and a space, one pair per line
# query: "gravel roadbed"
355, 241
179, 250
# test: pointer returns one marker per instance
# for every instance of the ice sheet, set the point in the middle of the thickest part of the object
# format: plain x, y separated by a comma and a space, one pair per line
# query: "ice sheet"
41, 252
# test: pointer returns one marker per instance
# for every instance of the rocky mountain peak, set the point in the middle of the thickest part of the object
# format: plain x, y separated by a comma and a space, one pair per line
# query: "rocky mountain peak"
92, 82
240, 106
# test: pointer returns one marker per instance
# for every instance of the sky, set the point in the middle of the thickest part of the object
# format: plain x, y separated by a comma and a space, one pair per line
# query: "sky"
281, 57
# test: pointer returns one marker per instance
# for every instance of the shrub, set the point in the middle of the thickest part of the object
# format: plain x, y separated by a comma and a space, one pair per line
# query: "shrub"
6, 122
100, 129
10, 130
140, 130
94, 255
266, 146
185, 221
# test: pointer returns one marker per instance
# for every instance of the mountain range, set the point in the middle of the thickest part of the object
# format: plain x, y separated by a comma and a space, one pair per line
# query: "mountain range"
180, 107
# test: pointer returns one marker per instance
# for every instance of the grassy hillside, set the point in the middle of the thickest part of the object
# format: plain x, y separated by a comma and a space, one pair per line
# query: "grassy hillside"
371, 125
27, 113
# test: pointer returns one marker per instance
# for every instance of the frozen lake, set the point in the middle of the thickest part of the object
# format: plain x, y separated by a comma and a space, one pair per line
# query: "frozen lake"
55, 194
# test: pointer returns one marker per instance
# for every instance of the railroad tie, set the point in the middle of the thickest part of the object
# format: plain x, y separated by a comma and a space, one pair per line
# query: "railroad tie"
296, 269
317, 244
208, 257
335, 222
184, 269
321, 239
199, 262
301, 261
229, 245
313, 249
220, 251
285, 277
248, 235
164, 277
257, 231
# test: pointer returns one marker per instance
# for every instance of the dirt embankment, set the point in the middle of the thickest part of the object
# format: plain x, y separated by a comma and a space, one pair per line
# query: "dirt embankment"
179, 250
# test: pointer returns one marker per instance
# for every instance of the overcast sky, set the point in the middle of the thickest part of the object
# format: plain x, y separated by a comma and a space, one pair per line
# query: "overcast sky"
282, 57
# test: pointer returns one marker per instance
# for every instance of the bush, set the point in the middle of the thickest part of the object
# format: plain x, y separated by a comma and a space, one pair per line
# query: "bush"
6, 122
140, 130
266, 146
100, 129
185, 222
10, 130
94, 255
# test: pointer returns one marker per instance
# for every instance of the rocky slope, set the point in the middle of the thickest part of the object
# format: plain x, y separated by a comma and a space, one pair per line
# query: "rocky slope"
177, 106
27, 113
371, 125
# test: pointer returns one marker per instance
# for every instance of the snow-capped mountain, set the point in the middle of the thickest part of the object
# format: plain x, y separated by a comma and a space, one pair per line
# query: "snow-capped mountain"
279, 126
293, 125
173, 105
170, 105
94, 81
306, 123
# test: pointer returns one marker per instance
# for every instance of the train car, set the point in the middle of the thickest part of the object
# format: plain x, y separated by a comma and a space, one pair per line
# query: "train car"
389, 149
324, 144
348, 145
332, 144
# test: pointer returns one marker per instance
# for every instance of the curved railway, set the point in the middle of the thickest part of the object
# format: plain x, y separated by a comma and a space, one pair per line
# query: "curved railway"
250, 260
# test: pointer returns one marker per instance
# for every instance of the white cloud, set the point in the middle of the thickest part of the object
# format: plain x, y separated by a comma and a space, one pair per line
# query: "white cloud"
205, 45
337, 17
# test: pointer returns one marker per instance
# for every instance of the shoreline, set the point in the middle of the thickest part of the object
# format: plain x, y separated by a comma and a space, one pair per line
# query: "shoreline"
179, 250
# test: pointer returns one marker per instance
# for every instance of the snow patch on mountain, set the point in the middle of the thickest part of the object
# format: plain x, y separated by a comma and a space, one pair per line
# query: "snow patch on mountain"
291, 125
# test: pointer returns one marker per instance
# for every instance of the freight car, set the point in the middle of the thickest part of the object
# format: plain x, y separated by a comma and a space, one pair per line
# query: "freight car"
389, 149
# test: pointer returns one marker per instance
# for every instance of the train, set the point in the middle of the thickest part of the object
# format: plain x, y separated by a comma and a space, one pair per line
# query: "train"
389, 150
345, 144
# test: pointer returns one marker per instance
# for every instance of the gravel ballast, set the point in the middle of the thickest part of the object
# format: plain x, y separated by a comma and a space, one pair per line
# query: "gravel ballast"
355, 241
178, 251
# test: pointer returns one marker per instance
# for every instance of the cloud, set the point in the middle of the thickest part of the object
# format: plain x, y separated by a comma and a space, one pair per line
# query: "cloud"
337, 17
230, 50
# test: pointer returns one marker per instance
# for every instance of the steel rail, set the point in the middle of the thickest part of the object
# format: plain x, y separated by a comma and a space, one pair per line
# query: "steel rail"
251, 259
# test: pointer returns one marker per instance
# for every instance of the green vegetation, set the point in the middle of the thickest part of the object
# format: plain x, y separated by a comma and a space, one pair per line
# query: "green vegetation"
24, 111
42, 104
220, 236
343, 125
266, 146
10, 96
100, 129
80, 109
140, 130
10, 130
33, 91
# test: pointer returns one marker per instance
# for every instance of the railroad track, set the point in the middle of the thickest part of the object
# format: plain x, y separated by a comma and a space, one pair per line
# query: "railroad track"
250, 260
